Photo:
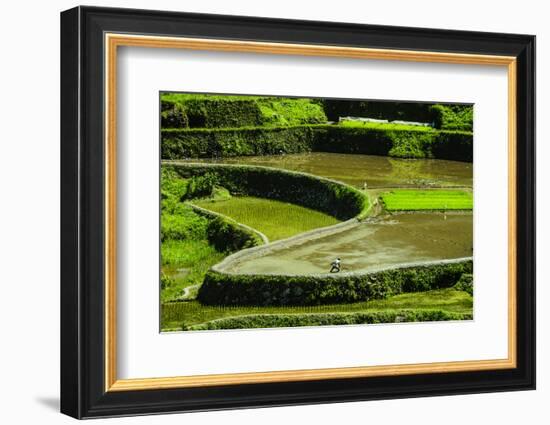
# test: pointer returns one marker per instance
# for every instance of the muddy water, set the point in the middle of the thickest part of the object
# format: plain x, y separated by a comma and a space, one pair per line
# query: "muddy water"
387, 241
376, 171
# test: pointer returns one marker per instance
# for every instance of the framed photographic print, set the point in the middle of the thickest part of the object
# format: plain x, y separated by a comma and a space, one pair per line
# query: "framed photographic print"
261, 212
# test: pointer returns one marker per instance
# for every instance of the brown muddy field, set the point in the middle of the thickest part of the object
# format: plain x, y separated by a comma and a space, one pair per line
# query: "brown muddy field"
385, 241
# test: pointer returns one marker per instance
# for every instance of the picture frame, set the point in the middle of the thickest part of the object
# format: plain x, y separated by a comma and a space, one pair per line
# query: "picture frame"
90, 40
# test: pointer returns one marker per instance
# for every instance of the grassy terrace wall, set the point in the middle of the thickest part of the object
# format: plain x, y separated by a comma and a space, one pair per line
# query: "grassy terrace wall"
418, 143
270, 290
333, 198
248, 141
226, 235
322, 319
181, 110
209, 113
226, 142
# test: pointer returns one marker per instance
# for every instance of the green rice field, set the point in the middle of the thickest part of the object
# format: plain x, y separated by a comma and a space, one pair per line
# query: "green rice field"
411, 200
189, 313
275, 219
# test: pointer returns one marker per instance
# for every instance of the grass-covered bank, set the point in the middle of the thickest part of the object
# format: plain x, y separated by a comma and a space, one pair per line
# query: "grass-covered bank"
329, 319
277, 220
330, 197
416, 200
187, 110
393, 140
205, 126
177, 315
195, 110
222, 288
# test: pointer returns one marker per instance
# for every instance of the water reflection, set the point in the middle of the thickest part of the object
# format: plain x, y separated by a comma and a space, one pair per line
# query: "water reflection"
376, 171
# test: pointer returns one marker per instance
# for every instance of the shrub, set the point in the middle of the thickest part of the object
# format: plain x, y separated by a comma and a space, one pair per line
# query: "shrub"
453, 117
383, 140
182, 223
199, 111
290, 112
370, 140
412, 144
165, 281
453, 145
465, 283
178, 221
358, 140
323, 319
228, 237
180, 110
172, 115
213, 143
172, 186
200, 186
232, 289
336, 199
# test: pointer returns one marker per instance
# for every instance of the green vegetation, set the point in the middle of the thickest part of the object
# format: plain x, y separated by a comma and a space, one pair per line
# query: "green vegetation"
182, 110
191, 243
404, 111
394, 140
453, 117
336, 199
391, 140
332, 319
202, 206
280, 111
230, 289
178, 221
411, 199
227, 236
442, 116
185, 263
190, 110
190, 313
465, 283
385, 126
243, 141
186, 254
453, 145
195, 126
275, 219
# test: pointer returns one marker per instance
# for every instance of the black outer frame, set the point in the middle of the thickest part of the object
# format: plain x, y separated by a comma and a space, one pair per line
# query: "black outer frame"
82, 212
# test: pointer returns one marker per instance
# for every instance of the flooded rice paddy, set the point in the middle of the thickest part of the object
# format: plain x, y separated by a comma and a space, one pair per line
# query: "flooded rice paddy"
376, 171
387, 241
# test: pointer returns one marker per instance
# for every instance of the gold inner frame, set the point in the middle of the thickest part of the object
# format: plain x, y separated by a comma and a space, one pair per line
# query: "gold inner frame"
113, 41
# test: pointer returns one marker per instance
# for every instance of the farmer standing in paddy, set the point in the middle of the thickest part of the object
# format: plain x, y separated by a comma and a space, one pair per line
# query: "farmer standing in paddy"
335, 266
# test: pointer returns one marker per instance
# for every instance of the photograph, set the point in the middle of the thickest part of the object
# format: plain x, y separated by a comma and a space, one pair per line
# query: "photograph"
280, 212
288, 210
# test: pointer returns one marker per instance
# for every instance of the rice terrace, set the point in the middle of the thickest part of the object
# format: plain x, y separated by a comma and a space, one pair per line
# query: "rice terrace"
284, 212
